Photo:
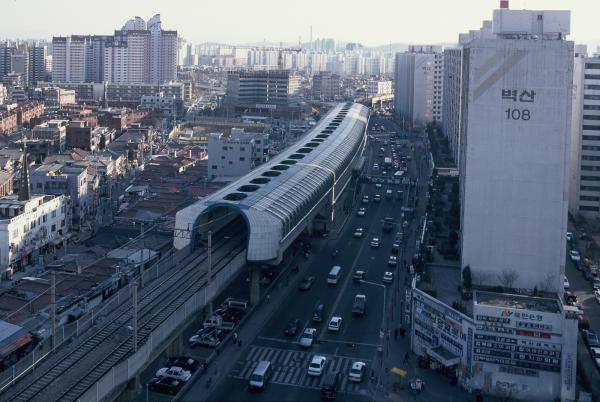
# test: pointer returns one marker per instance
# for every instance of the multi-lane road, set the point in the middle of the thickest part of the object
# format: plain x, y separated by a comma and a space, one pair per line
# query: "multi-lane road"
360, 338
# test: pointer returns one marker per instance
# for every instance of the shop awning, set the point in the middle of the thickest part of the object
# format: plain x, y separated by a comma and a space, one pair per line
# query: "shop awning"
444, 356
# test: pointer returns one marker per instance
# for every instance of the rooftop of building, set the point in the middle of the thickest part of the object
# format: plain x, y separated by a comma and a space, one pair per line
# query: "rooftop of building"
517, 301
444, 283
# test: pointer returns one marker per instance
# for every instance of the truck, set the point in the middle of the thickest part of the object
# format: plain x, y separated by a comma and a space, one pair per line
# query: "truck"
216, 321
360, 305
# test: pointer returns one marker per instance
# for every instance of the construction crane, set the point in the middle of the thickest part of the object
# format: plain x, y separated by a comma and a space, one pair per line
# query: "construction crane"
280, 54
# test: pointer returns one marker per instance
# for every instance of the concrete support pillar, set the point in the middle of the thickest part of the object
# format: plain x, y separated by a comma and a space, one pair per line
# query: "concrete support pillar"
176, 347
254, 285
134, 384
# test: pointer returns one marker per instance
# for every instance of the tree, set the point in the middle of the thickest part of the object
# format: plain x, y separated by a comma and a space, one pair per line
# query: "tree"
508, 277
467, 277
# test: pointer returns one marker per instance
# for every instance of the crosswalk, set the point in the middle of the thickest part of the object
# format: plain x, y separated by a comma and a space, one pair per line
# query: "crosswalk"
289, 367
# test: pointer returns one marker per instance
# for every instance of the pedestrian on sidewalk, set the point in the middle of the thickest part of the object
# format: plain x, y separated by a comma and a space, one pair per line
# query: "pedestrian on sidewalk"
406, 357
239, 342
268, 298
235, 337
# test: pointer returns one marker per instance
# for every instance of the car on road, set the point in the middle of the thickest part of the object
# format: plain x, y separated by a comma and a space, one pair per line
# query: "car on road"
365, 199
590, 338
356, 371
318, 313
575, 256
359, 276
375, 242
317, 366
395, 248
330, 385
377, 198
392, 261
583, 322
595, 351
306, 283
292, 327
335, 324
377, 185
358, 233
165, 385
184, 362
569, 236
307, 338
596, 283
388, 277
566, 283
361, 212
175, 372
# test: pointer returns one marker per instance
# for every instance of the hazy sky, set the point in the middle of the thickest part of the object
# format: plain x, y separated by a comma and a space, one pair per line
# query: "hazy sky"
374, 22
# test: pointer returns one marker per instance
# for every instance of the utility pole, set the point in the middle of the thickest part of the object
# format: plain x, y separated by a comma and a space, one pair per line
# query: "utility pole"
142, 257
135, 316
209, 256
53, 304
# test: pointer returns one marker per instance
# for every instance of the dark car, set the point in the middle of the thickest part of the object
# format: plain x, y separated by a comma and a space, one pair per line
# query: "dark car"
306, 283
185, 362
318, 313
590, 338
583, 323
292, 327
165, 385
359, 276
330, 385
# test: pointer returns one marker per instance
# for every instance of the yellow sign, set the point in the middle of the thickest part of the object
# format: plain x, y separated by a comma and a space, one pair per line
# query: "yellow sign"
398, 371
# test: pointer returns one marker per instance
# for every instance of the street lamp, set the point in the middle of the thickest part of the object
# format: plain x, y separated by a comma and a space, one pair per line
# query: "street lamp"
332, 185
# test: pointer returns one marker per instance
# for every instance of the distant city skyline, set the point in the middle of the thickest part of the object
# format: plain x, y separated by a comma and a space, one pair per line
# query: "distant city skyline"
238, 22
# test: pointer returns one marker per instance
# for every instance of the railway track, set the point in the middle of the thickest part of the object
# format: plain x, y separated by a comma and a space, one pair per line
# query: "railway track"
107, 345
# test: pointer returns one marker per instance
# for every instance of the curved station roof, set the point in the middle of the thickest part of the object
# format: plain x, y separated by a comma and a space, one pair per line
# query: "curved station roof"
276, 196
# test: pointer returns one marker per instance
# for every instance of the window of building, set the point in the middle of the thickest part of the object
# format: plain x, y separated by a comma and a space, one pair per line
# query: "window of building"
591, 117
588, 127
592, 168
591, 86
590, 178
230, 162
222, 157
590, 158
591, 97
242, 158
591, 107
590, 137
595, 66
589, 188
62, 222
53, 228
588, 208
38, 185
592, 77
589, 198
242, 148
54, 214
213, 167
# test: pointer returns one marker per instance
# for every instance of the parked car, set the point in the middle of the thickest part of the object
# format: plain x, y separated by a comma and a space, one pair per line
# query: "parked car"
569, 236
335, 324
595, 351
356, 371
566, 283
583, 322
375, 242
306, 283
590, 338
292, 327
388, 277
307, 338
175, 372
184, 362
596, 283
317, 366
165, 385
392, 261
575, 256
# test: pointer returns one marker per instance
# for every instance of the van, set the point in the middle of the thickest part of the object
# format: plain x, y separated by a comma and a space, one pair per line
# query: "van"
260, 375
334, 275
330, 385
318, 313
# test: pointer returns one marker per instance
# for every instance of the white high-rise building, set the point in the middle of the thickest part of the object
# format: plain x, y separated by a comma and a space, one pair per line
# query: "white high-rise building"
69, 59
515, 128
419, 85
584, 193
510, 334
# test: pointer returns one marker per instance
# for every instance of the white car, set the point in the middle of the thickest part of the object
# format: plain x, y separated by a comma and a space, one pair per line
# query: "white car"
566, 283
574, 254
375, 242
335, 323
175, 372
377, 185
307, 338
358, 233
361, 212
393, 261
569, 236
356, 371
317, 366
388, 277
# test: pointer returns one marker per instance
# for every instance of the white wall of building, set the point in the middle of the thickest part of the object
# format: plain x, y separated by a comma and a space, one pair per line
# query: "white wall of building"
515, 160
